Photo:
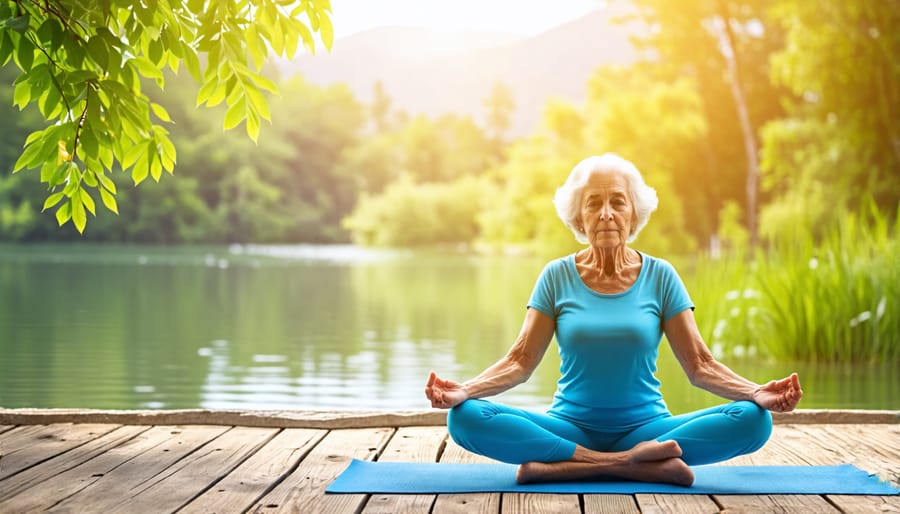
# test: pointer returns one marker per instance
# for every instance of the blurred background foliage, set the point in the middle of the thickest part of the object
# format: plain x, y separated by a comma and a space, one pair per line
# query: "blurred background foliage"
819, 82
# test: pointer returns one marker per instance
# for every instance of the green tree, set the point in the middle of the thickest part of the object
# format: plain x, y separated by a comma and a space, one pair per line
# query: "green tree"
724, 46
841, 145
500, 106
82, 62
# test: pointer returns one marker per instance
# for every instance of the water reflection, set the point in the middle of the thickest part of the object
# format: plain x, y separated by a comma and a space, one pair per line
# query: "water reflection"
294, 328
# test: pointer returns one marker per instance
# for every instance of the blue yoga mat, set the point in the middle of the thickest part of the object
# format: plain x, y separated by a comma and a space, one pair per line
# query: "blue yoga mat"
432, 478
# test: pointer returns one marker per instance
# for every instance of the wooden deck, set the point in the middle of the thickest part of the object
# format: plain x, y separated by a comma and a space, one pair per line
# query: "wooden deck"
202, 461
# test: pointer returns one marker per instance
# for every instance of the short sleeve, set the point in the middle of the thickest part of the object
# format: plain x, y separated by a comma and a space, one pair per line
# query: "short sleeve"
675, 297
543, 297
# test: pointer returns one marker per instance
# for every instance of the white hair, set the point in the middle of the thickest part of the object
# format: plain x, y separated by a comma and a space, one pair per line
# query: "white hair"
568, 197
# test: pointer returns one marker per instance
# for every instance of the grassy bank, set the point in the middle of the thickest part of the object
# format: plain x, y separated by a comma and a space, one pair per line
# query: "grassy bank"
835, 300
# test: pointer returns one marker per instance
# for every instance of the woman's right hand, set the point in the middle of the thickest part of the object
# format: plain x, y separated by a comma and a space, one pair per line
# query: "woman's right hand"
444, 394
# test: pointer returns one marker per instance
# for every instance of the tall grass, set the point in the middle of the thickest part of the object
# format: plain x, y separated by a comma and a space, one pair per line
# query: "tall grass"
835, 300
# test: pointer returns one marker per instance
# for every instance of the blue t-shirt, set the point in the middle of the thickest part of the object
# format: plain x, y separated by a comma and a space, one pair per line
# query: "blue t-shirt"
609, 343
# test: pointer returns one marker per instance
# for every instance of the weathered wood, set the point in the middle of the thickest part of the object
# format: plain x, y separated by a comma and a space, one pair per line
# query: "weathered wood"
303, 490
139, 468
328, 420
521, 503
812, 445
4, 428
478, 503
195, 473
348, 418
27, 446
602, 503
409, 444
873, 448
836, 417
111, 481
766, 504
680, 503
268, 466
35, 477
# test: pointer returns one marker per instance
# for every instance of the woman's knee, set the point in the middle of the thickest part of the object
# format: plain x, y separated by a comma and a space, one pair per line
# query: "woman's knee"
755, 423
467, 418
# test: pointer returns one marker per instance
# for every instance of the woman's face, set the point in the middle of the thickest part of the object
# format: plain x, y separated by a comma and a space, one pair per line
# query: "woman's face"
607, 213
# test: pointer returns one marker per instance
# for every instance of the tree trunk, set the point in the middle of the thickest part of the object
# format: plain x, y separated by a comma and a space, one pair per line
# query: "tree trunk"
740, 102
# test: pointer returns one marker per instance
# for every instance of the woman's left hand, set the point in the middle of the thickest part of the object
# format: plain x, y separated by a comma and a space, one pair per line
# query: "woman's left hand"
779, 395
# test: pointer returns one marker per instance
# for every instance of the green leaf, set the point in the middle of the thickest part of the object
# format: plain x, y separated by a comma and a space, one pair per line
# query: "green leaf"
253, 125
98, 51
109, 201
258, 103
6, 48
140, 171
25, 54
132, 155
79, 217
88, 201
18, 24
29, 158
235, 114
49, 101
145, 67
90, 178
264, 83
106, 182
22, 94
53, 200
64, 213
326, 30
59, 175
160, 112
191, 61
155, 167
255, 46
206, 91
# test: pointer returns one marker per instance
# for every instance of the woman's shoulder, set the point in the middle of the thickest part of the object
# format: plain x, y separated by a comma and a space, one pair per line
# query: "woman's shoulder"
657, 264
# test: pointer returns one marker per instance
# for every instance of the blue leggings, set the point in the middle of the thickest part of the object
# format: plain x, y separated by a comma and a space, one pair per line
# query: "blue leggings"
516, 436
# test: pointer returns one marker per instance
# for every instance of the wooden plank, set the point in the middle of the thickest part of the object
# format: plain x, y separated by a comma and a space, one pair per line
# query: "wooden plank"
869, 447
35, 477
195, 473
347, 418
409, 444
786, 447
28, 446
765, 504
256, 476
523, 503
4, 428
247, 418
620, 503
478, 503
102, 482
680, 503
303, 490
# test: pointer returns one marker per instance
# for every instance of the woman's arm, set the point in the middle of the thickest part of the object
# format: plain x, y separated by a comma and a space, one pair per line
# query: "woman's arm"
514, 368
705, 372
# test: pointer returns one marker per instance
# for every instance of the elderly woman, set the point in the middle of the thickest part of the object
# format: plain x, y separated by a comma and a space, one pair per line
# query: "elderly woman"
609, 306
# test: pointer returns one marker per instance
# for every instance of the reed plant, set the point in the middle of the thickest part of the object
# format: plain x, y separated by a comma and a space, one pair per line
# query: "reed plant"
836, 299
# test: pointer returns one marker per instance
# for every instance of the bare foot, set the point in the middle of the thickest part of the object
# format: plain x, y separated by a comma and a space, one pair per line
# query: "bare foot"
655, 450
654, 461
649, 461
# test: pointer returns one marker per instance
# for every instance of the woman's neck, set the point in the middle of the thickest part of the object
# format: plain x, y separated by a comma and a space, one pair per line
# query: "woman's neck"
610, 262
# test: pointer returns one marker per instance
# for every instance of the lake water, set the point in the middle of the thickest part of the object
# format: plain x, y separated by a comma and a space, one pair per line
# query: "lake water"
296, 327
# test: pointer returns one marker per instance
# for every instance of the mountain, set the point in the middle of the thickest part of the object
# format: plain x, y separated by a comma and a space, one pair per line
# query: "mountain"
435, 73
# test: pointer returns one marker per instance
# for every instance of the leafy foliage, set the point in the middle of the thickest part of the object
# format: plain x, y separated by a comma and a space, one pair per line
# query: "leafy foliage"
842, 143
85, 64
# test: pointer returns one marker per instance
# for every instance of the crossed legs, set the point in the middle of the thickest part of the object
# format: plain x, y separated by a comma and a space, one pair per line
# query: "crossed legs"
548, 448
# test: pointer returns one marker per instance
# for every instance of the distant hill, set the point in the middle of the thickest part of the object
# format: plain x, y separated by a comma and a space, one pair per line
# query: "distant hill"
434, 73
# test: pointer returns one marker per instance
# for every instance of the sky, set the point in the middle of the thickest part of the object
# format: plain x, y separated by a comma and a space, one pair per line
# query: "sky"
524, 17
